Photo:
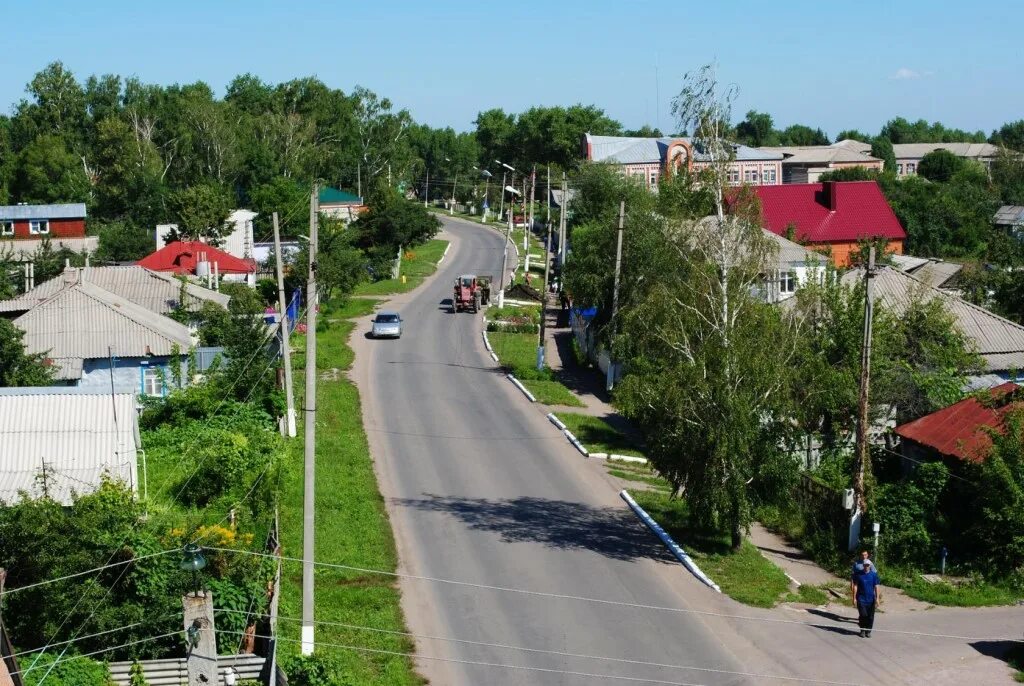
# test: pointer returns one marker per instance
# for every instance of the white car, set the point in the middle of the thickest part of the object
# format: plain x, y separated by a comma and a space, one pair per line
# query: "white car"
387, 325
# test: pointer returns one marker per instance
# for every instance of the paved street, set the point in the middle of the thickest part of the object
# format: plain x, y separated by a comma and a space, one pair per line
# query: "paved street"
482, 489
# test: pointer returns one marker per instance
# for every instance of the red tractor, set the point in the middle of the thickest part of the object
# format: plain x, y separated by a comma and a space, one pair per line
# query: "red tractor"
471, 292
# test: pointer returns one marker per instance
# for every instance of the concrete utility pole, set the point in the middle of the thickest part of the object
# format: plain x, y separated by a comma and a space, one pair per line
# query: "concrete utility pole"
199, 629
862, 463
610, 381
562, 223
284, 325
309, 482
526, 229
548, 221
504, 262
426, 193
533, 194
544, 300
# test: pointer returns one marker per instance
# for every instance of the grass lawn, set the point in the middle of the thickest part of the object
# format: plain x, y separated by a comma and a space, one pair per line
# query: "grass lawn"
598, 435
979, 594
517, 353
744, 575
639, 473
352, 527
1015, 658
417, 263
552, 393
812, 595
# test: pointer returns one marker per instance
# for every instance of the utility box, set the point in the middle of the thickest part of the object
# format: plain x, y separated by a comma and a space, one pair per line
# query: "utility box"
848, 499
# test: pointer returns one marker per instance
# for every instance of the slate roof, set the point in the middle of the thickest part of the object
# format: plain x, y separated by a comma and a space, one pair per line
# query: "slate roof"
999, 341
81, 321
822, 155
861, 211
74, 210
959, 430
70, 430
937, 273
1009, 215
156, 291
630, 150
919, 150
21, 249
181, 257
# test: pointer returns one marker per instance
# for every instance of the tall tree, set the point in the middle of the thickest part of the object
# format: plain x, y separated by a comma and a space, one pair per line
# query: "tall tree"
756, 129
798, 134
881, 148
1010, 134
940, 165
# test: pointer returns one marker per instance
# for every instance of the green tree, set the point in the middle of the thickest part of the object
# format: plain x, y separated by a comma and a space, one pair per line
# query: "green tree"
48, 172
853, 135
940, 165
799, 134
17, 368
881, 148
756, 129
645, 131
120, 241
201, 211
1010, 135
392, 222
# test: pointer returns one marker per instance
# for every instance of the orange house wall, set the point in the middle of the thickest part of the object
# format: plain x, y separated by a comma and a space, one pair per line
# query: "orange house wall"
841, 251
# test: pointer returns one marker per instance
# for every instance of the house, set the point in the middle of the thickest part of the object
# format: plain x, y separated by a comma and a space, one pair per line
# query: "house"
238, 241
796, 267
1010, 218
96, 339
960, 432
998, 341
24, 228
933, 271
833, 216
195, 258
909, 155
156, 291
806, 163
651, 158
56, 441
338, 204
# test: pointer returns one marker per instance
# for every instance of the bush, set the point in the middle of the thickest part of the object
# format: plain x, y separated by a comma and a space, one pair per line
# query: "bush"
79, 671
318, 669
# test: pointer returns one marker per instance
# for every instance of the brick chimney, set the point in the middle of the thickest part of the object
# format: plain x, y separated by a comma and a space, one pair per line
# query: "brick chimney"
829, 193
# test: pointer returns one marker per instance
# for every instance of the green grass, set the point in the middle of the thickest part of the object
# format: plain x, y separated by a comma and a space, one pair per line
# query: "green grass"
971, 594
417, 264
598, 435
1015, 658
654, 481
744, 575
552, 393
352, 528
812, 595
517, 352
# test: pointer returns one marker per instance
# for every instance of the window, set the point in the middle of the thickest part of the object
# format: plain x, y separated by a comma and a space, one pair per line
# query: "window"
6, 228
734, 175
899, 170
769, 175
152, 381
750, 175
787, 282
911, 168
654, 178
37, 226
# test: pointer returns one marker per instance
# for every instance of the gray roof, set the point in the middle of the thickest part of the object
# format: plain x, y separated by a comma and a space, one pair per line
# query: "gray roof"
999, 341
908, 263
853, 144
793, 254
72, 432
21, 249
630, 150
821, 155
970, 150
81, 321
75, 210
1009, 215
156, 291
936, 273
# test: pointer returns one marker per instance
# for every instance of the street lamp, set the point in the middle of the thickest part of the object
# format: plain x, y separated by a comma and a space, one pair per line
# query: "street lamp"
512, 169
192, 560
487, 187
456, 183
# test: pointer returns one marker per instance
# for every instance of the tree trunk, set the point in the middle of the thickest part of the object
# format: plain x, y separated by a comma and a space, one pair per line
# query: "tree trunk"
737, 537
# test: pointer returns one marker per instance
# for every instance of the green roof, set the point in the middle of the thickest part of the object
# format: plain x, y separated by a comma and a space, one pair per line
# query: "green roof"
333, 195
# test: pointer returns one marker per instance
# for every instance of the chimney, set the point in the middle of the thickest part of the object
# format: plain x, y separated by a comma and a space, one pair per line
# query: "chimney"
829, 191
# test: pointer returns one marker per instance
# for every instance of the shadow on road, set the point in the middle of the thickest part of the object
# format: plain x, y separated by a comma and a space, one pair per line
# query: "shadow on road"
1001, 650
831, 615
559, 524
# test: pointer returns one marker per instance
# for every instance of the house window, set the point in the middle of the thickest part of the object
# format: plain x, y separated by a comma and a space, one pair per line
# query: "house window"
654, 178
769, 175
750, 175
152, 381
911, 168
38, 226
6, 228
899, 170
787, 282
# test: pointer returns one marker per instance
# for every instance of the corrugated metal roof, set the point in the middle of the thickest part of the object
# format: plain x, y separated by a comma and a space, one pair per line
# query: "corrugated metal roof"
855, 145
1009, 215
791, 253
999, 341
959, 430
21, 249
156, 291
181, 257
72, 432
936, 273
860, 211
630, 150
81, 321
908, 263
970, 150
75, 210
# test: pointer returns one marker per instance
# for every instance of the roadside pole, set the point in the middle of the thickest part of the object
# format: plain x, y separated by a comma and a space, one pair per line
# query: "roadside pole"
426, 192
544, 300
610, 379
562, 219
549, 194
284, 325
861, 464
504, 260
309, 481
526, 231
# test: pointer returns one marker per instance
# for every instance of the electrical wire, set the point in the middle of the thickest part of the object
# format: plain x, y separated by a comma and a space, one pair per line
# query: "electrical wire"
82, 638
88, 571
557, 653
600, 601
97, 652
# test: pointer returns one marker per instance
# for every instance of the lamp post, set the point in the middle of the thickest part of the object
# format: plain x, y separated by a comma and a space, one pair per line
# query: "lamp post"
487, 187
201, 661
193, 560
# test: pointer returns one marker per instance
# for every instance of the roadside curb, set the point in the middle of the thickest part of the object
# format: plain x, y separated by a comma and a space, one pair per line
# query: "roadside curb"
583, 449
521, 387
487, 343
672, 546
444, 255
576, 442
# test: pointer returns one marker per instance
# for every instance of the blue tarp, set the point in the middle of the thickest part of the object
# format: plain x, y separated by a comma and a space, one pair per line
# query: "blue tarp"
293, 309
587, 313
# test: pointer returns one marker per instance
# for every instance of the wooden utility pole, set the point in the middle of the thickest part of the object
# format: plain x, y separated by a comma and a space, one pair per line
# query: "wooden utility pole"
863, 461
544, 300
610, 381
284, 327
309, 416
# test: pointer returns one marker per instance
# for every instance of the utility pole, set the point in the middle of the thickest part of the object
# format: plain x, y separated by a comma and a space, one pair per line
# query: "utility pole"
526, 229
862, 463
562, 220
504, 262
544, 300
359, 180
201, 661
548, 221
426, 193
533, 193
309, 481
284, 326
610, 381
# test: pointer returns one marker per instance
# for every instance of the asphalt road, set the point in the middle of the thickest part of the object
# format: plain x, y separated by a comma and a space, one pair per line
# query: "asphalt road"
482, 489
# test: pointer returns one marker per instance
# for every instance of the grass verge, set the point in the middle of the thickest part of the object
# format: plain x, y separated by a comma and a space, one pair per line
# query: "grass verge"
812, 595
598, 435
552, 393
352, 527
517, 352
1015, 658
417, 264
744, 575
637, 473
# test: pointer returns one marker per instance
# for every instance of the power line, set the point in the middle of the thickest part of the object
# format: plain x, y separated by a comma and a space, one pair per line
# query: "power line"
97, 652
559, 653
601, 601
88, 571
83, 638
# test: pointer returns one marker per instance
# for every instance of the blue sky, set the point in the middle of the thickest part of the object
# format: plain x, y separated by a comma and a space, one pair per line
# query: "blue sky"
834, 65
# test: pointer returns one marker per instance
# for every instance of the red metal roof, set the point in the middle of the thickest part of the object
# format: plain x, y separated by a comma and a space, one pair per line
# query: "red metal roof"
181, 257
959, 430
829, 212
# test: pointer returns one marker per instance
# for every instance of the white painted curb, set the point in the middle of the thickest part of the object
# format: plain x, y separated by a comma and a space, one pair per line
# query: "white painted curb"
521, 387
556, 421
493, 356
445, 254
576, 442
599, 456
673, 547
628, 458
487, 343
